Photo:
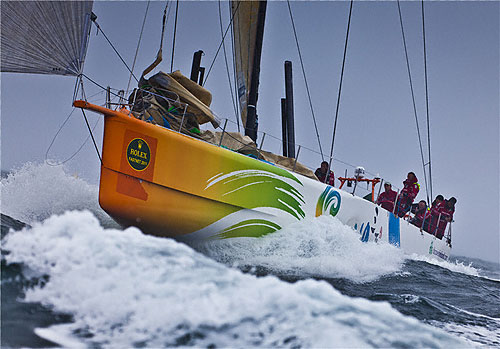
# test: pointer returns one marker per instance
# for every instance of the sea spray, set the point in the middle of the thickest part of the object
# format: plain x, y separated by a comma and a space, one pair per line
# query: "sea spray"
319, 247
126, 289
34, 192
455, 266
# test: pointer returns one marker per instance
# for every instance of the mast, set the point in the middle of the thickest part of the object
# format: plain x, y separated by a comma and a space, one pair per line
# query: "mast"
252, 119
289, 110
248, 32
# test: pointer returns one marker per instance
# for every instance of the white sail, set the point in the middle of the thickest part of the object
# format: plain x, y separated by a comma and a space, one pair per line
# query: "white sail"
44, 37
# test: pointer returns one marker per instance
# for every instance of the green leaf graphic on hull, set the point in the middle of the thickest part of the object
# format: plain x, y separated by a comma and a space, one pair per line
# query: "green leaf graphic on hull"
253, 228
258, 188
329, 197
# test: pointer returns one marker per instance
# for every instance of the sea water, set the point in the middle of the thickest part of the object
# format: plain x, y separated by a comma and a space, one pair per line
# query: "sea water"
73, 278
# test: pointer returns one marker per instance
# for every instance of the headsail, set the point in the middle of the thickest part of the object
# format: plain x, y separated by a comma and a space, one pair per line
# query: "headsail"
44, 37
248, 23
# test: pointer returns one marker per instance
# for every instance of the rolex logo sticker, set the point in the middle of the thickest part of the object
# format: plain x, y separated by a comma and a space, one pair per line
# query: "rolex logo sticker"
138, 154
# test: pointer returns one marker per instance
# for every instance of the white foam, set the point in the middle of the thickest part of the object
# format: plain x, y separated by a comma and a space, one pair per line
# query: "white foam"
457, 267
127, 289
62, 335
473, 334
410, 298
322, 247
497, 320
34, 192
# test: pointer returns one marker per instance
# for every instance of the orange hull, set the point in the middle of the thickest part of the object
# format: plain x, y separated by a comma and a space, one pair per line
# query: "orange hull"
161, 188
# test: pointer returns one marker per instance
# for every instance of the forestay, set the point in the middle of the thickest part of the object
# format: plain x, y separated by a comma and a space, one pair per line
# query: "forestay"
44, 37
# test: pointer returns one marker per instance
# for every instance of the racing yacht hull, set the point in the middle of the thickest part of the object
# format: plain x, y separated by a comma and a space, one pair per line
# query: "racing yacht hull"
173, 185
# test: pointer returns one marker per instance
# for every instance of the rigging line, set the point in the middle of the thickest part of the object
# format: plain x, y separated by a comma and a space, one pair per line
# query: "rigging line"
241, 80
138, 45
413, 100
227, 66
76, 152
169, 2
59, 131
92, 135
175, 32
164, 21
84, 96
116, 51
427, 100
305, 80
77, 86
99, 85
240, 62
169, 8
340, 84
235, 79
216, 53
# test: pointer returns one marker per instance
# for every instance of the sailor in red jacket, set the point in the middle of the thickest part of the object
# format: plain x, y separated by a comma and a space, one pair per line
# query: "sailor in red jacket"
432, 216
420, 210
387, 198
407, 194
321, 173
447, 211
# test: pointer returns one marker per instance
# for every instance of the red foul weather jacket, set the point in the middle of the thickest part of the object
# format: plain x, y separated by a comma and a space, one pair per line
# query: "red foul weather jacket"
321, 177
432, 217
446, 216
387, 199
418, 220
411, 188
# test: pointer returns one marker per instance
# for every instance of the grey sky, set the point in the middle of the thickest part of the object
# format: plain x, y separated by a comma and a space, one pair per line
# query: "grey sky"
376, 126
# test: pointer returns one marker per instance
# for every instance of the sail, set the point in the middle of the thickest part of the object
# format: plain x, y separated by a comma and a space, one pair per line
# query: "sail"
44, 37
247, 17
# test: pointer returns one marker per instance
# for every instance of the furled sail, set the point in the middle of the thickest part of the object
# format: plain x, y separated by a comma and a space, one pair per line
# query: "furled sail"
44, 37
248, 24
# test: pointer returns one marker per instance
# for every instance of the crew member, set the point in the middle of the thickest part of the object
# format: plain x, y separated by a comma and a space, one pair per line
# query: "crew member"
387, 198
419, 210
432, 216
447, 211
407, 195
322, 172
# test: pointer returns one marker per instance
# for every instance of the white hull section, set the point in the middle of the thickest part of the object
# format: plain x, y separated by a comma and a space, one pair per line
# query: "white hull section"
370, 221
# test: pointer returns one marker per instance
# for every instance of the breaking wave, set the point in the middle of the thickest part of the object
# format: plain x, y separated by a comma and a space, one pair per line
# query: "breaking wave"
124, 289
455, 266
35, 192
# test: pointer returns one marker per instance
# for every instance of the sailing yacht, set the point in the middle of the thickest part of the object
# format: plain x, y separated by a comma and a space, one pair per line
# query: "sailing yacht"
162, 173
